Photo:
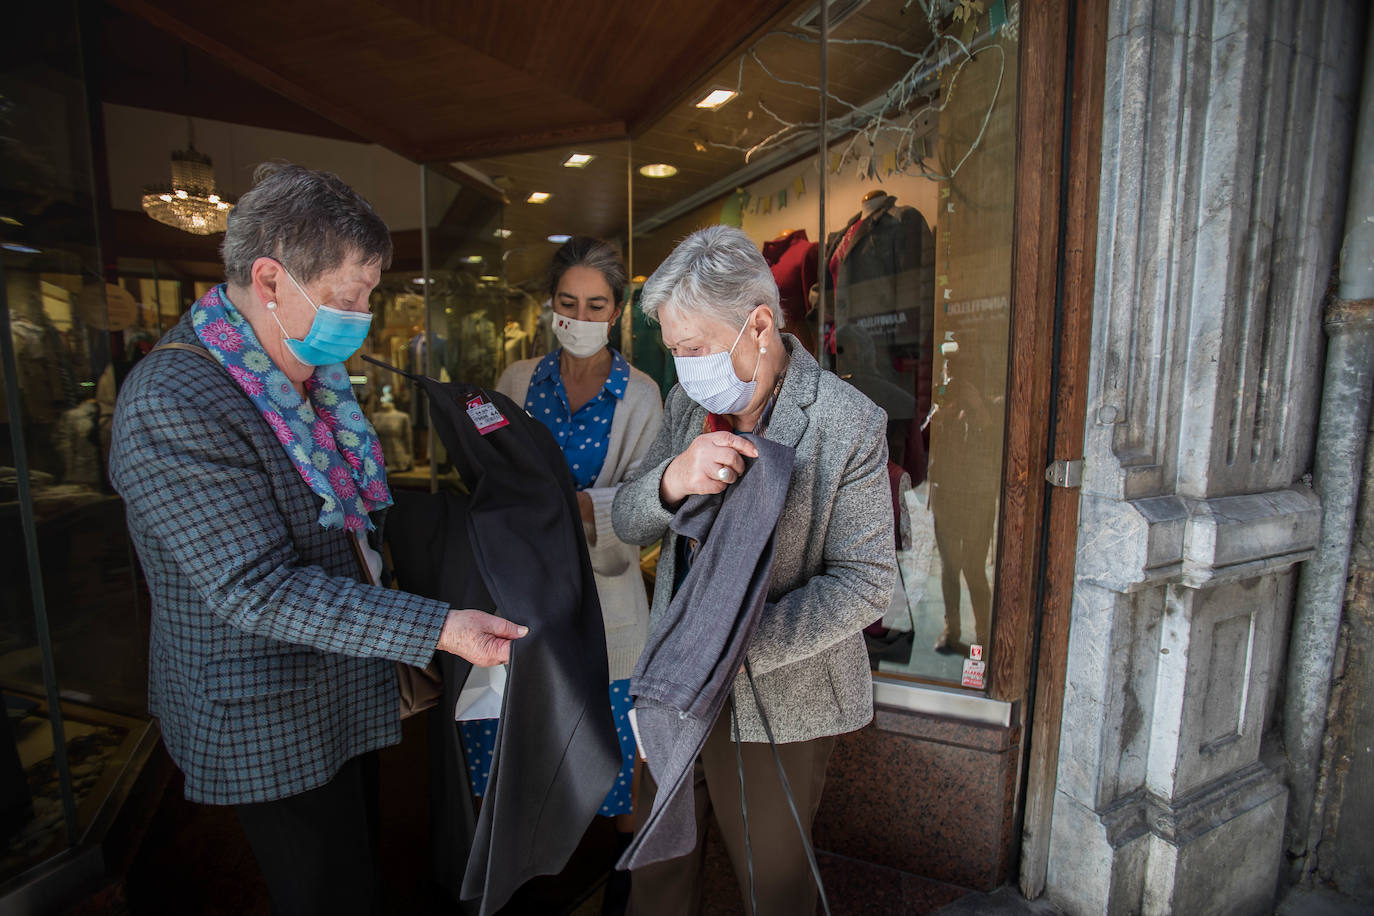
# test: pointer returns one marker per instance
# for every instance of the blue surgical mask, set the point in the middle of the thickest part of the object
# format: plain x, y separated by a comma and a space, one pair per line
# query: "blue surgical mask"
334, 335
711, 380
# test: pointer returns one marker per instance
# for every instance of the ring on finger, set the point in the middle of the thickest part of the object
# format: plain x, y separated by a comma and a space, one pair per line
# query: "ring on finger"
723, 473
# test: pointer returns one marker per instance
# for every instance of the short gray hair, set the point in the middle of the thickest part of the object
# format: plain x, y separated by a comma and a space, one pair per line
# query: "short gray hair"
308, 220
716, 272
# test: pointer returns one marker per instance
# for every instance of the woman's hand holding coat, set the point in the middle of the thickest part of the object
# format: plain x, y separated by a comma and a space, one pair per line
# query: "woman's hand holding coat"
481, 638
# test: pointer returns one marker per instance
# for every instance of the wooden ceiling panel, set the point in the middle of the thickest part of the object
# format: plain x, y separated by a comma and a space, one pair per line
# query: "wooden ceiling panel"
510, 88
437, 80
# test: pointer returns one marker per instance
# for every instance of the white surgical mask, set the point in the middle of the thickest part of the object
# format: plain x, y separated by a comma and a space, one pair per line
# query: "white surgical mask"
580, 338
711, 380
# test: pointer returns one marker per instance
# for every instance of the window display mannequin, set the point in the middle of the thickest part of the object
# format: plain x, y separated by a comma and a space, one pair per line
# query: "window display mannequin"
883, 267
37, 352
76, 438
515, 341
393, 431
417, 350
477, 349
542, 341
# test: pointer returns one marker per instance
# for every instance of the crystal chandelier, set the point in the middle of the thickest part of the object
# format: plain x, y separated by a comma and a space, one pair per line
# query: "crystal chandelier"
190, 203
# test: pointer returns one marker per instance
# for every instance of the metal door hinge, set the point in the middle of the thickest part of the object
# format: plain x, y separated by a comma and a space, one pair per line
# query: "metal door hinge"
1063, 473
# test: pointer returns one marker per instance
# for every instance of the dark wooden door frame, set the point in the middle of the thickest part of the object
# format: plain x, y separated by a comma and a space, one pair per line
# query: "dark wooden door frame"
1059, 133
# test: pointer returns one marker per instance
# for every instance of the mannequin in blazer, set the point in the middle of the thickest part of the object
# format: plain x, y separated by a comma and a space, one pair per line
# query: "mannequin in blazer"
834, 563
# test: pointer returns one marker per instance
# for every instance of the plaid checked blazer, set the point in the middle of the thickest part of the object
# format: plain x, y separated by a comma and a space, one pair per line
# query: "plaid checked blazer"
270, 664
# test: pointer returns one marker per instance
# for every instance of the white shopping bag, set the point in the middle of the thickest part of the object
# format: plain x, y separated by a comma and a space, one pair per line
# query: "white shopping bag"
481, 695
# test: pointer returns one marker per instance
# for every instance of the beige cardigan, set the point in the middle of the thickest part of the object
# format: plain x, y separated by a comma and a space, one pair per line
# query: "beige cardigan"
615, 564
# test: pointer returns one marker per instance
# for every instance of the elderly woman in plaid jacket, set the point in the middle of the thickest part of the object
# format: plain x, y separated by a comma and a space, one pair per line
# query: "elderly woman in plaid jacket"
255, 489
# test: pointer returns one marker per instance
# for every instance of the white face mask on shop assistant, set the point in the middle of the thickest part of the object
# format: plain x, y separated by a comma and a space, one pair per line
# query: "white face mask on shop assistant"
580, 338
711, 380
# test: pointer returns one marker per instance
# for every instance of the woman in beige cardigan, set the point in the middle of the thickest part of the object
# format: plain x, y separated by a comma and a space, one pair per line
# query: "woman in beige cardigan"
604, 414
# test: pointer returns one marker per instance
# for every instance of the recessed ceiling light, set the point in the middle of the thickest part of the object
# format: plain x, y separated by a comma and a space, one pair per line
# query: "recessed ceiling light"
538, 197
658, 170
10, 221
502, 233
19, 249
559, 239
488, 278
421, 281
473, 259
577, 160
716, 98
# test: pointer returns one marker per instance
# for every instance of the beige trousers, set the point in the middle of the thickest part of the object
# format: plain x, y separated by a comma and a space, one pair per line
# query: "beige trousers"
782, 877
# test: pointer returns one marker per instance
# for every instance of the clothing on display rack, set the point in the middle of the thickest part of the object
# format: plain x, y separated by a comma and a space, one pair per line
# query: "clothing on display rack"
793, 259
556, 754
648, 354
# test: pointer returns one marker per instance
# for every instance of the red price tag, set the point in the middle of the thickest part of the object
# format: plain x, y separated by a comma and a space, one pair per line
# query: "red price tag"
485, 416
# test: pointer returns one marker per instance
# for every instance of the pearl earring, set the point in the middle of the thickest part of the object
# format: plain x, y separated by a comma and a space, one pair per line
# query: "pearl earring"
271, 306
762, 350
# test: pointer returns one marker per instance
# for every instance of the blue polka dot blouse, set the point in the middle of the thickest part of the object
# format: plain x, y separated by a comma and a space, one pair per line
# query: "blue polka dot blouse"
583, 436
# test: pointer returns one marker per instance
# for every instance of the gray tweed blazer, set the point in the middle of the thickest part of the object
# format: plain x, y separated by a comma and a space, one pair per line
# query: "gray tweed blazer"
835, 563
270, 664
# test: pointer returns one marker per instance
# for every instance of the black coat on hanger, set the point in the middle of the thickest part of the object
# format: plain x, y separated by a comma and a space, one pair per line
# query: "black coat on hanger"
513, 545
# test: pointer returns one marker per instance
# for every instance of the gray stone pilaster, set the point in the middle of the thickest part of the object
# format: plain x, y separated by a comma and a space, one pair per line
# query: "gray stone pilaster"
1225, 137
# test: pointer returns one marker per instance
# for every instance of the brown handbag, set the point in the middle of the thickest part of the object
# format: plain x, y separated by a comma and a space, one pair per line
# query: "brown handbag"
420, 687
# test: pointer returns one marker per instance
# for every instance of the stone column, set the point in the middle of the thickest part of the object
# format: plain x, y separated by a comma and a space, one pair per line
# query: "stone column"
1225, 142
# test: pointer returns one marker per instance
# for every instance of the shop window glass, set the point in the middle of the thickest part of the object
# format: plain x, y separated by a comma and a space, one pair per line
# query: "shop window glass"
912, 302
72, 644
451, 316
919, 247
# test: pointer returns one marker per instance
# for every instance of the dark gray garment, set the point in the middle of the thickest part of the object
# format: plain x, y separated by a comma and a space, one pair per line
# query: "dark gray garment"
697, 646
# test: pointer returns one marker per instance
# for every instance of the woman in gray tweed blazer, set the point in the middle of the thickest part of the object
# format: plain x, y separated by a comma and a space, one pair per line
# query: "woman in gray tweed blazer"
254, 489
834, 565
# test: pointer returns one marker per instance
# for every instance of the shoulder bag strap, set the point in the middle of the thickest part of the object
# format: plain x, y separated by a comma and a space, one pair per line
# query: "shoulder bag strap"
189, 348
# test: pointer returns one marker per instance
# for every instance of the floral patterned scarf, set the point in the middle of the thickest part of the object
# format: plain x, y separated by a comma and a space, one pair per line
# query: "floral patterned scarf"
327, 437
